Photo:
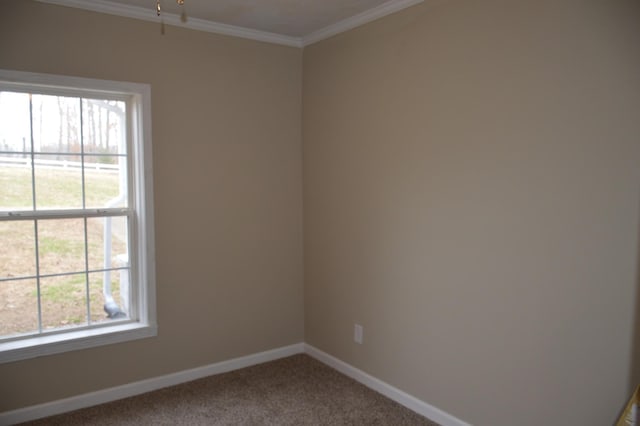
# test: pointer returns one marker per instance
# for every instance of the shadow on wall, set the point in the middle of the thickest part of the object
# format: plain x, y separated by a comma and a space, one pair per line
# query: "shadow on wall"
634, 369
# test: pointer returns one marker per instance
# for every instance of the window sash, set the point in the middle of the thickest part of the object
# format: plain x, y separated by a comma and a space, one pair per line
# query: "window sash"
133, 312
9, 215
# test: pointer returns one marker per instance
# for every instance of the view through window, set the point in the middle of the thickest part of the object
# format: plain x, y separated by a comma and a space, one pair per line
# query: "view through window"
68, 203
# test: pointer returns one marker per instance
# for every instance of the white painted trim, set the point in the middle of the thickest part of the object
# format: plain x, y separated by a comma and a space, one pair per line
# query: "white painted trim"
66, 341
135, 12
403, 398
112, 394
111, 8
392, 6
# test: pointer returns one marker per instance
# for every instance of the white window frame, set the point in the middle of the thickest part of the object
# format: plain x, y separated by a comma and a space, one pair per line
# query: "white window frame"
142, 248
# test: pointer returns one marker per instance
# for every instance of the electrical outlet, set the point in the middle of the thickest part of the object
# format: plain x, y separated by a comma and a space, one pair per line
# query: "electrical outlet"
358, 333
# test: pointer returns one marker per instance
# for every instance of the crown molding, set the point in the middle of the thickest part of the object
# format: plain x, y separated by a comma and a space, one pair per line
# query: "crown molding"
378, 12
111, 8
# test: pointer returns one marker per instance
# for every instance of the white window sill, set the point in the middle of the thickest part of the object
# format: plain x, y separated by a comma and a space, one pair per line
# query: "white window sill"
73, 340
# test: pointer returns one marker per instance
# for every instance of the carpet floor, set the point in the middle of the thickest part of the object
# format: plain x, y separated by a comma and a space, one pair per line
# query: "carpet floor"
297, 390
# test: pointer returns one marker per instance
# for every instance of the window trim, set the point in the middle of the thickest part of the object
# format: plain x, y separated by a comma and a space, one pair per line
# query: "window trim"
142, 249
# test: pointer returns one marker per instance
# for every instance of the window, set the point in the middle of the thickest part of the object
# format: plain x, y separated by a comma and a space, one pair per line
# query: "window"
76, 214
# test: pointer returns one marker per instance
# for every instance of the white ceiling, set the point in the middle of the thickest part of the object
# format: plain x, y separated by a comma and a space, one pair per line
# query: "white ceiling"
288, 22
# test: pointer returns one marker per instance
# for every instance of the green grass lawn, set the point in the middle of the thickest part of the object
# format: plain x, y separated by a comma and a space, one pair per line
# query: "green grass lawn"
55, 188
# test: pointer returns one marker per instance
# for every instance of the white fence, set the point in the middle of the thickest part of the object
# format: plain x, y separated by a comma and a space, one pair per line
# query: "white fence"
57, 164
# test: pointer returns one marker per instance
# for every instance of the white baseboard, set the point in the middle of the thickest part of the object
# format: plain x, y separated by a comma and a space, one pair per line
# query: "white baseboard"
403, 398
112, 394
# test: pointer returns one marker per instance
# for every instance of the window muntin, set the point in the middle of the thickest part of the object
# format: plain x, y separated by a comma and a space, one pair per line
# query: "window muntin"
75, 214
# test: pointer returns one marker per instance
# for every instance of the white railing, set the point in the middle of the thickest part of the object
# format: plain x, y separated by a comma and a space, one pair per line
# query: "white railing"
57, 164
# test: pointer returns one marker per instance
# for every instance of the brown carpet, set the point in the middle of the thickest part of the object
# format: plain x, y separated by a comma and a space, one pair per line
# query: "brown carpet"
297, 390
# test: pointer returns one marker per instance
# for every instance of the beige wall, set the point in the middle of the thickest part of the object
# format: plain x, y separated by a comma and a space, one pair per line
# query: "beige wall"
228, 207
471, 189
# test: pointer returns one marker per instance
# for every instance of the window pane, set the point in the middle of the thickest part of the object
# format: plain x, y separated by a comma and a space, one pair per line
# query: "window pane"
18, 307
104, 126
105, 180
15, 131
56, 124
61, 246
58, 182
63, 301
110, 301
17, 249
107, 239
15, 182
